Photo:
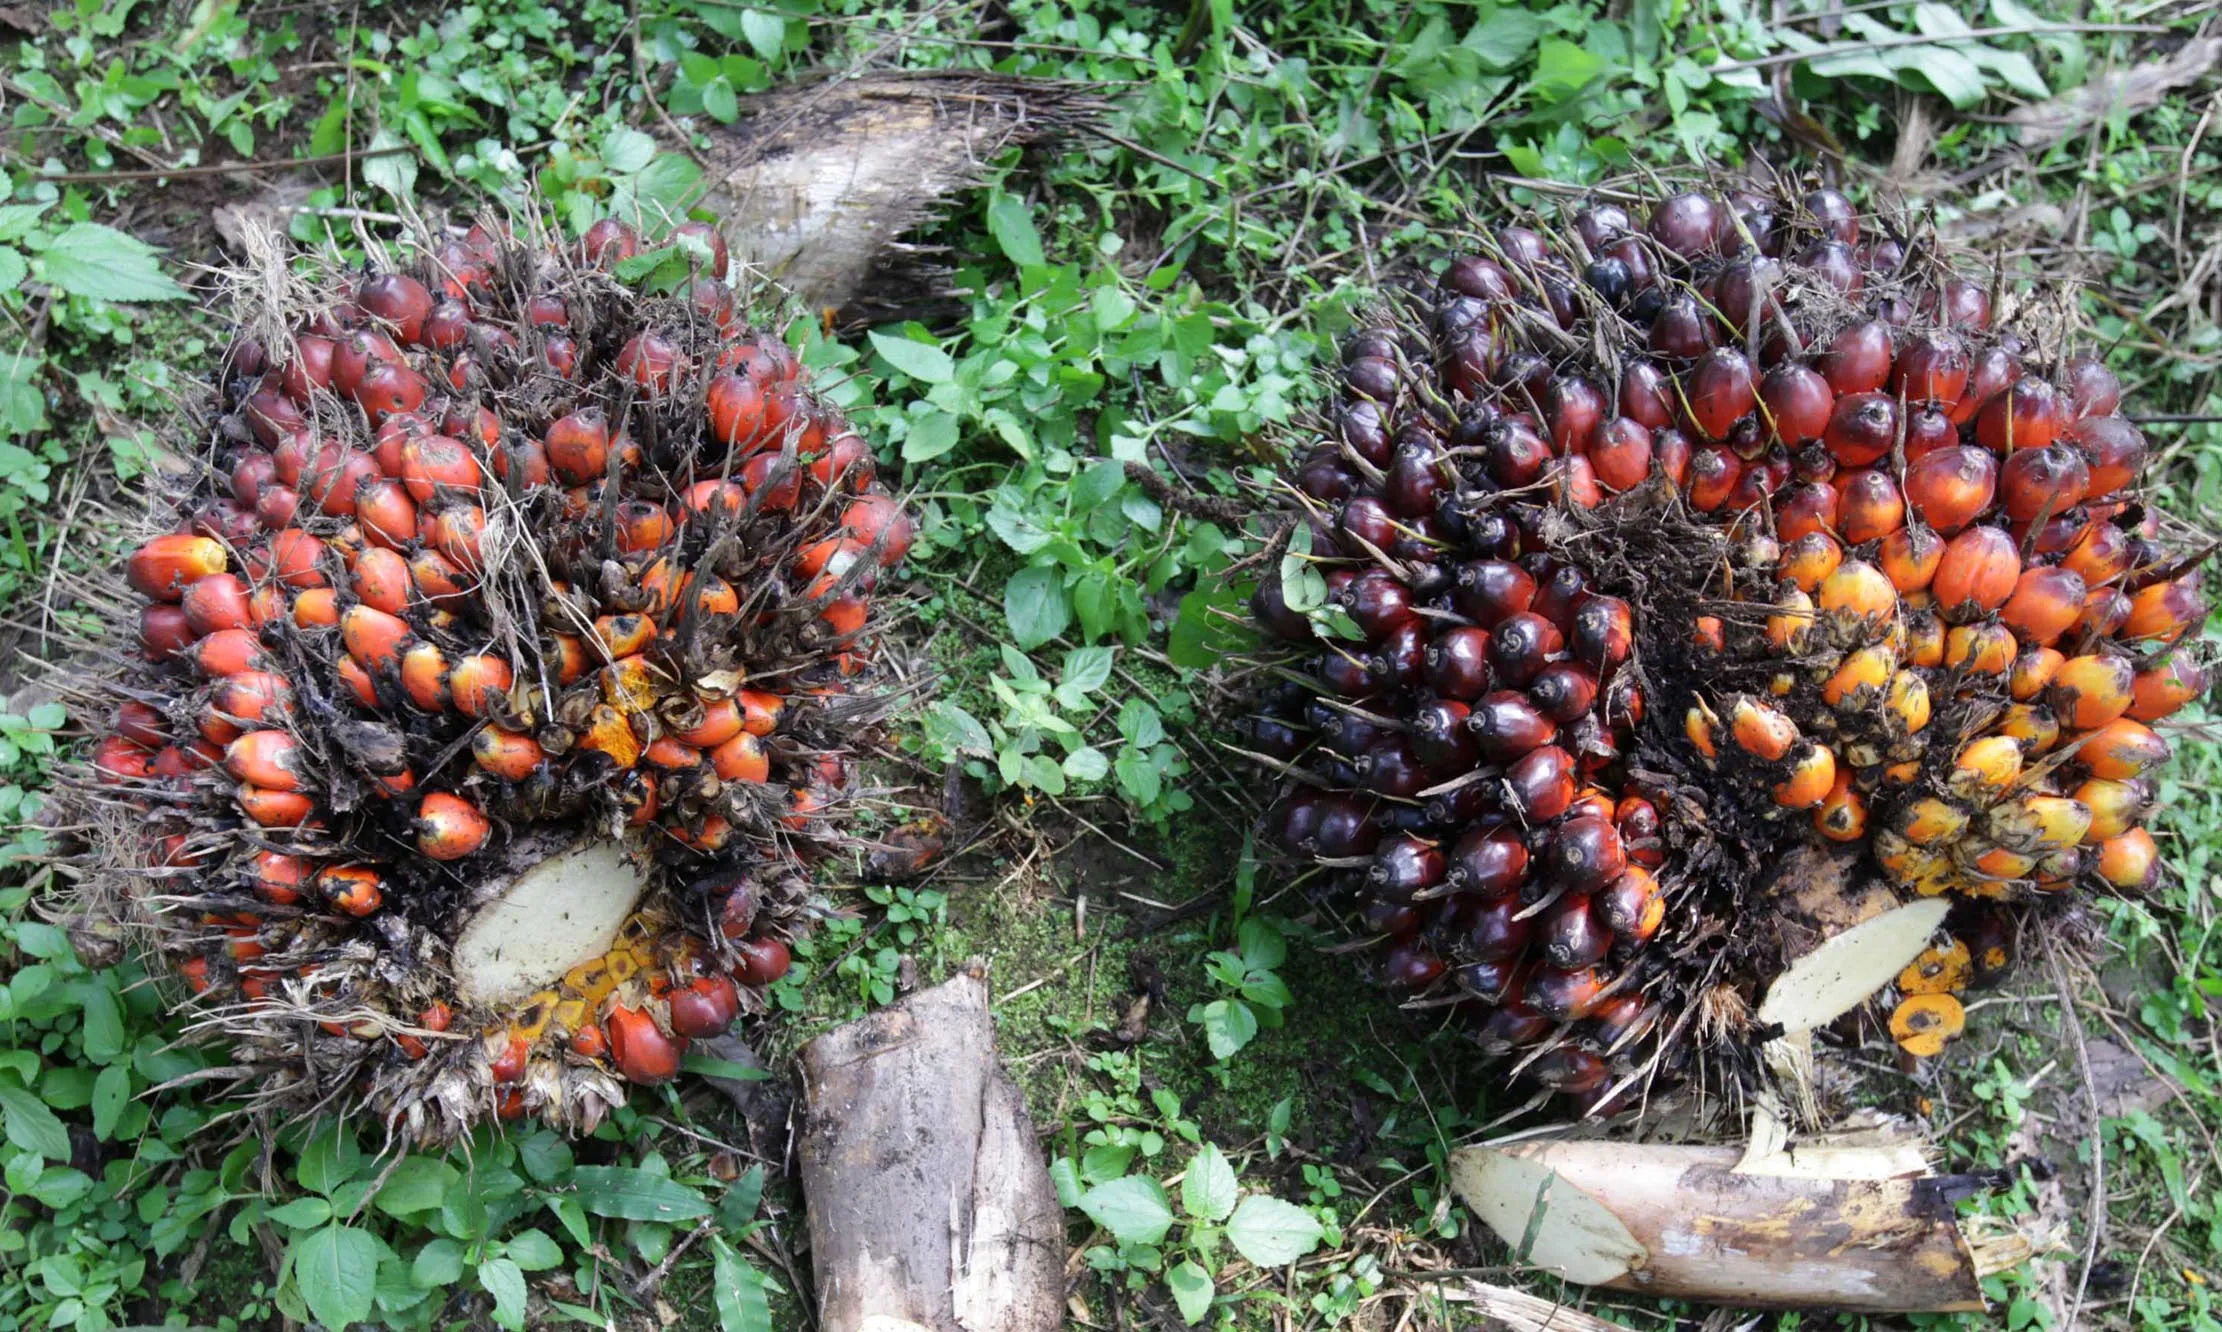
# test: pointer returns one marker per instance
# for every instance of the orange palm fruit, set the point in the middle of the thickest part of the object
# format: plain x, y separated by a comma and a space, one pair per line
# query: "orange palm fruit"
165, 566
1977, 574
2130, 861
2089, 691
2121, 749
2164, 686
1812, 776
449, 827
2046, 602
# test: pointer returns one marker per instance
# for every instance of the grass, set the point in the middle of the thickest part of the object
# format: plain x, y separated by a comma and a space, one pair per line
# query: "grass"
1158, 294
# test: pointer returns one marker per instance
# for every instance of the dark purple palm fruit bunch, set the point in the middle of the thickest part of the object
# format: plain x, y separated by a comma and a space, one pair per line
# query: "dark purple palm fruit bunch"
1651, 558
484, 696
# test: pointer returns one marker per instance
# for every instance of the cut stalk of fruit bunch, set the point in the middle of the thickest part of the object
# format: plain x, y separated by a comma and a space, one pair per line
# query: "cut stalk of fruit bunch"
487, 708
1726, 569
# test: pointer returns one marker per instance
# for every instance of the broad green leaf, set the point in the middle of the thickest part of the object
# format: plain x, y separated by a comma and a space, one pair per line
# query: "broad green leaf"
1563, 69
1191, 1288
1085, 670
104, 264
438, 1263
1261, 945
632, 1194
532, 1250
719, 99
738, 1289
505, 1281
336, 1271
1272, 1233
1086, 764
952, 730
1034, 606
111, 1095
1228, 1026
766, 32
103, 1032
1503, 38
1207, 1191
392, 167
1133, 1208
1064, 1176
417, 1184
627, 150
922, 361
31, 1125
1011, 222
330, 1160
546, 1157
303, 1213
932, 434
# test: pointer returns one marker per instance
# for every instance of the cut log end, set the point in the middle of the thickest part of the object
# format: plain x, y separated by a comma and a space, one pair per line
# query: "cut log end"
929, 1203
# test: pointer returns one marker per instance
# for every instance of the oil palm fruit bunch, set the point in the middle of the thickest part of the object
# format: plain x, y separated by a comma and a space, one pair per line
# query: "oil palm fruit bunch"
1681, 543
485, 701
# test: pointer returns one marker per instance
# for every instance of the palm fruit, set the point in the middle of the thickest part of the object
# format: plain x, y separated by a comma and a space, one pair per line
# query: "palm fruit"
1645, 554
489, 703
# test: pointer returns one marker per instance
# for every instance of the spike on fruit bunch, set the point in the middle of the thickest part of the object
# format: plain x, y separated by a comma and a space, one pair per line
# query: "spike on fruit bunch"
493, 694
1637, 555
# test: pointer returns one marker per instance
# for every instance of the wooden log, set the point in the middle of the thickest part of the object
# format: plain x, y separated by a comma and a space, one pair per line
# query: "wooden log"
929, 1200
1863, 1227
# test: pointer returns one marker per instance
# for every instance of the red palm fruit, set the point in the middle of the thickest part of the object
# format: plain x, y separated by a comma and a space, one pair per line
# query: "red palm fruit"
1540, 786
432, 465
373, 637
2164, 686
1933, 367
255, 469
1584, 854
1857, 360
2100, 553
2029, 414
1620, 453
878, 518
2115, 807
1602, 633
276, 506
437, 578
1977, 574
358, 680
1950, 487
309, 369
165, 566
1574, 410
1806, 509
1859, 590
1993, 369
2164, 612
1646, 394
141, 724
1810, 559
457, 534
227, 652
505, 754
352, 890
578, 446
1689, 224
737, 410
448, 827
251, 698
273, 418
1563, 995
278, 878
1963, 303
1520, 646
398, 300
1623, 903
777, 482
387, 390
2089, 691
1457, 663
424, 677
1714, 473
1910, 557
741, 759
1571, 934
2114, 450
652, 361
1722, 391
447, 327
2091, 388
608, 243
2045, 604
1871, 507
1798, 403
217, 601
270, 759
640, 1049
1862, 428
1488, 591
381, 580
297, 558
1681, 330
476, 683
2042, 482
2121, 750
1671, 451
117, 760
355, 354
386, 514
642, 525
761, 961
705, 1007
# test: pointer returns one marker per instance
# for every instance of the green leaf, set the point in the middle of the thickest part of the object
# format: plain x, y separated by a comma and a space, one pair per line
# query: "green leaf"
303, 1213
1563, 69
1261, 945
922, 361
626, 150
104, 264
766, 32
417, 1184
1207, 1191
1132, 1208
1086, 764
1064, 1176
1085, 670
738, 1289
31, 1125
1272, 1233
1034, 606
330, 1160
1011, 223
438, 1263
633, 1194
103, 1031
952, 730
1191, 1288
546, 1157
395, 171
719, 99
532, 1250
1228, 1026
1504, 37
505, 1281
111, 1094
931, 435
336, 1271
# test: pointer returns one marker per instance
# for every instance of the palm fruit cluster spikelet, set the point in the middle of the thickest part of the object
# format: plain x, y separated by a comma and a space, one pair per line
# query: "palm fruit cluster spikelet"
483, 711
1641, 552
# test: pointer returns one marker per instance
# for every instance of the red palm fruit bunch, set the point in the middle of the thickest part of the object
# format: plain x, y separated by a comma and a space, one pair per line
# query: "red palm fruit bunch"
490, 696
1650, 558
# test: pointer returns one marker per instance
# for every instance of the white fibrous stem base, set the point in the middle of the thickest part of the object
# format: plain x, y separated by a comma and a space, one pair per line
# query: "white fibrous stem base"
563, 911
1843, 972
1848, 1227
